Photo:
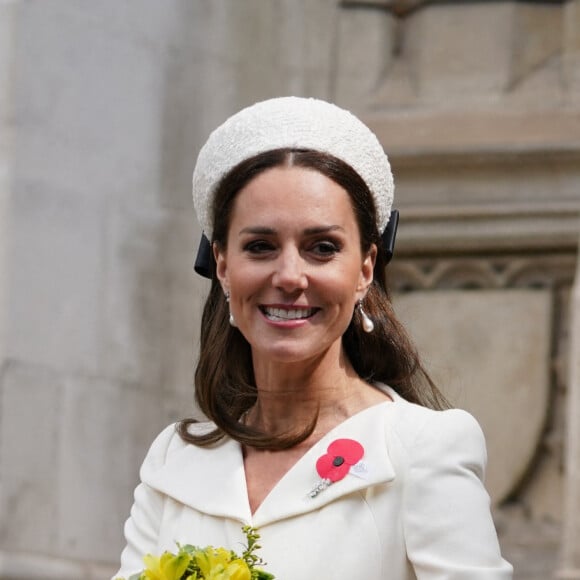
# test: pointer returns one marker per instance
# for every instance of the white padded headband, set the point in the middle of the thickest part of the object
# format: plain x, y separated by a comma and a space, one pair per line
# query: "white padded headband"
292, 122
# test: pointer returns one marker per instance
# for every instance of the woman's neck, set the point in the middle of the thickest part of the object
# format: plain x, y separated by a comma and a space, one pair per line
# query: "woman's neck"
290, 395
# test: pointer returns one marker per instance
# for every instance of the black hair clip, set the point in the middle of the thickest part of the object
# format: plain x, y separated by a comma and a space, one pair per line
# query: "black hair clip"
389, 235
204, 259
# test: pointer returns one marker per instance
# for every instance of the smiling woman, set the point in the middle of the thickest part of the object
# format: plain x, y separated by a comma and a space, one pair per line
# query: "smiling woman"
293, 267
324, 430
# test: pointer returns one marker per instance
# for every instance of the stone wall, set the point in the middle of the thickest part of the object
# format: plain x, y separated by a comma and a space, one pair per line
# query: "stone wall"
103, 107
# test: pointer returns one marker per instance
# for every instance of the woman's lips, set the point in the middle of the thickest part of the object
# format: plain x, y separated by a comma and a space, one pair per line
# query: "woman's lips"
284, 313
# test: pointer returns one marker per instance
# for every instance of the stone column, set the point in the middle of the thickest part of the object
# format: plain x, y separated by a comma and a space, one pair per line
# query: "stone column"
6, 59
570, 559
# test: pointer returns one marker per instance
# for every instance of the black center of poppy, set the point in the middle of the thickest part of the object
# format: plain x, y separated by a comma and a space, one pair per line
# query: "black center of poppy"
338, 461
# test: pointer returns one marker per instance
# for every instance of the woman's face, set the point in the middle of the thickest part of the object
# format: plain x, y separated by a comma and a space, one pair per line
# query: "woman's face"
293, 264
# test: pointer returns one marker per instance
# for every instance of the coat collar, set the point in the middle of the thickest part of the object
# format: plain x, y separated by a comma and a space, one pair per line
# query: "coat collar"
212, 480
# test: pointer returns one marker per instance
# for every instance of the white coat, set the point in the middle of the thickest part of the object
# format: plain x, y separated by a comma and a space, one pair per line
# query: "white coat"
418, 510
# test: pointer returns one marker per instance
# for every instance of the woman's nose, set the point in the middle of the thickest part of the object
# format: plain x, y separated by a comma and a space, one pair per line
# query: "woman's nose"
290, 271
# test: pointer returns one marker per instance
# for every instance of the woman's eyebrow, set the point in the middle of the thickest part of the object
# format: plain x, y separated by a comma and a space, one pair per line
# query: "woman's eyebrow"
322, 230
258, 230
265, 231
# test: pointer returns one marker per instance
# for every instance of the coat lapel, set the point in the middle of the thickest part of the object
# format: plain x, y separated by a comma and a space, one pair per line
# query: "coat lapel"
291, 497
212, 480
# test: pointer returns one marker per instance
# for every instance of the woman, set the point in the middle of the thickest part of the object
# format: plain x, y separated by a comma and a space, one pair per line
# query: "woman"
326, 433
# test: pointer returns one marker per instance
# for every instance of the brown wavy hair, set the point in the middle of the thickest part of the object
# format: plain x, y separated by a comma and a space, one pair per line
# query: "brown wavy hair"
224, 379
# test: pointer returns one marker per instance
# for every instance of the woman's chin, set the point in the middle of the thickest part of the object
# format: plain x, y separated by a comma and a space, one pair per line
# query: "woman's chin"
288, 352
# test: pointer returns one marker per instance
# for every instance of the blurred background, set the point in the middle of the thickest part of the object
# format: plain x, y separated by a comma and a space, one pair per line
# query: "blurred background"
103, 108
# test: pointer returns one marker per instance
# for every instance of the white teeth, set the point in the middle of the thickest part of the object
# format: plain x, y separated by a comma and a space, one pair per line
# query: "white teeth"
283, 314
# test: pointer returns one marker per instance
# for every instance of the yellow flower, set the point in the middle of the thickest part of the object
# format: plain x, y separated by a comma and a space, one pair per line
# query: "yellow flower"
217, 564
238, 570
167, 567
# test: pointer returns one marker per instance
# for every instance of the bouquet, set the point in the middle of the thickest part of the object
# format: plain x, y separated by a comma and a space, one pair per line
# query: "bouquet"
209, 563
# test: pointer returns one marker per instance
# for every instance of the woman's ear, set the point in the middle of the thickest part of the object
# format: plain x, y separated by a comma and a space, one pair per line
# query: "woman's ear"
367, 271
221, 268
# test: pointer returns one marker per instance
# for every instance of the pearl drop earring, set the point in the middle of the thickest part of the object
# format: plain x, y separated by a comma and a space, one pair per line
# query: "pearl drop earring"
232, 320
367, 323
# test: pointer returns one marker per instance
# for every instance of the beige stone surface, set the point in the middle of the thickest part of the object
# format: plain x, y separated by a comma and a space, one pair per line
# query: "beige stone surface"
72, 446
452, 66
531, 546
20, 566
570, 555
362, 65
483, 131
55, 285
6, 159
489, 351
537, 39
88, 102
152, 292
29, 457
571, 43
129, 419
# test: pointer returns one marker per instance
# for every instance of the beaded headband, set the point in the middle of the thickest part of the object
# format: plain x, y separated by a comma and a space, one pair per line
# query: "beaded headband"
298, 123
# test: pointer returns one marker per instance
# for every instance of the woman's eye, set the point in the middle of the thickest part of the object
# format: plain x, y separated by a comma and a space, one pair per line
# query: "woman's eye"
258, 247
325, 248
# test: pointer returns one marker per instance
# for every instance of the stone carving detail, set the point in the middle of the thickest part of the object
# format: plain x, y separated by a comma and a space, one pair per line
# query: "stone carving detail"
426, 46
404, 7
500, 272
453, 308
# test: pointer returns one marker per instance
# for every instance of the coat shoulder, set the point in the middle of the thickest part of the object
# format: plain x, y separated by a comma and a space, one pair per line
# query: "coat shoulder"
426, 435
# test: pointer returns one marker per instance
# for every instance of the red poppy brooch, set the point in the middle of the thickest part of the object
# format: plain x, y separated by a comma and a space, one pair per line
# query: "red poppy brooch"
341, 455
